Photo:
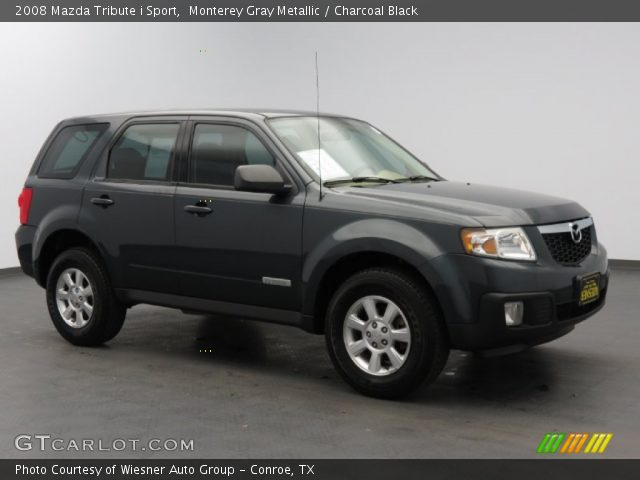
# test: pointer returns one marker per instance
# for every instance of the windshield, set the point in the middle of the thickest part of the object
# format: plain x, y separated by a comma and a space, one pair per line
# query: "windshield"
349, 149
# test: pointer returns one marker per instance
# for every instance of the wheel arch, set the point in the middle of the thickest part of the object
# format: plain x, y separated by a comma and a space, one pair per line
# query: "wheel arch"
49, 246
345, 253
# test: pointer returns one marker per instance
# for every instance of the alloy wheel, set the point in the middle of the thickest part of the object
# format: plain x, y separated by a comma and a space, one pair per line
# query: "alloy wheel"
74, 297
376, 335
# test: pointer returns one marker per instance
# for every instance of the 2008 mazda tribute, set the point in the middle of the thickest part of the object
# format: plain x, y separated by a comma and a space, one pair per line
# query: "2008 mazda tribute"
321, 222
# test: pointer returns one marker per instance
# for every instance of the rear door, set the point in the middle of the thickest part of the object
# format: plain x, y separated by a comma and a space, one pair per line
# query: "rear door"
245, 247
128, 204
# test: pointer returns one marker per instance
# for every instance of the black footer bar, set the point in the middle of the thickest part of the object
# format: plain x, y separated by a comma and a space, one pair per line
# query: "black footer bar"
538, 469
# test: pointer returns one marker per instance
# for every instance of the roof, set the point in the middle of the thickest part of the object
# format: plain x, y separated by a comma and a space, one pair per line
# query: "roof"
242, 112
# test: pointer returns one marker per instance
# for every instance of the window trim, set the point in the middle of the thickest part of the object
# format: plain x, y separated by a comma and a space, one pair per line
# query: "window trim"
175, 155
185, 177
68, 176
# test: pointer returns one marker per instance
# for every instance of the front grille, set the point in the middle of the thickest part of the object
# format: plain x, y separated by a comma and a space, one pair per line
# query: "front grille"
564, 250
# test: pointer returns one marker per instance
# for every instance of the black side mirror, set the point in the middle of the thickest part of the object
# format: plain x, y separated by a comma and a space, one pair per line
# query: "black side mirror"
260, 178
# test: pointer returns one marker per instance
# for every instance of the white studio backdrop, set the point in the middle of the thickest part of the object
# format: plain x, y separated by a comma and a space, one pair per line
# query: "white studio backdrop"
553, 108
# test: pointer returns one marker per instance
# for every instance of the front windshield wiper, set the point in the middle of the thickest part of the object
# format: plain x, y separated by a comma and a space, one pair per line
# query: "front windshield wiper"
340, 181
417, 178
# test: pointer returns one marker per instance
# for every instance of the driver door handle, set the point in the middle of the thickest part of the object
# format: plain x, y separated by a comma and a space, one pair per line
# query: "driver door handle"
103, 201
199, 209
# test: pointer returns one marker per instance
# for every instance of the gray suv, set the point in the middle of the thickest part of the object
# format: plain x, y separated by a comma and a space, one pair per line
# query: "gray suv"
317, 221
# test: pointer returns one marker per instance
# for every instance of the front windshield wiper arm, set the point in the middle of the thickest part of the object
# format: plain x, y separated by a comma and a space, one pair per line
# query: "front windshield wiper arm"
340, 181
418, 178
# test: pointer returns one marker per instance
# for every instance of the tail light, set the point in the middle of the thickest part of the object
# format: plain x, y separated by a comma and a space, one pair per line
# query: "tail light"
24, 201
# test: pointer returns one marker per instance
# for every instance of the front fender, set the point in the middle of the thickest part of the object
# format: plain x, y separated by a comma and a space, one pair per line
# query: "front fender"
377, 235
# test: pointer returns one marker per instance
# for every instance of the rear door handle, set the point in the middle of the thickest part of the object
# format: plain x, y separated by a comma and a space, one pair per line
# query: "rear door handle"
103, 201
198, 209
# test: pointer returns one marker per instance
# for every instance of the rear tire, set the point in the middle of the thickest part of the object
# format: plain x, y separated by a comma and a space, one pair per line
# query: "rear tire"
80, 300
385, 334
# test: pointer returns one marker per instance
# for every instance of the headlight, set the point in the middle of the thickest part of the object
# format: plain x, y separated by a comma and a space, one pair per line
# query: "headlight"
510, 243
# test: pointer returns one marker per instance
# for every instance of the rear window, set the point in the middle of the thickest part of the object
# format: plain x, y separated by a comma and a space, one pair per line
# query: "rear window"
144, 152
69, 149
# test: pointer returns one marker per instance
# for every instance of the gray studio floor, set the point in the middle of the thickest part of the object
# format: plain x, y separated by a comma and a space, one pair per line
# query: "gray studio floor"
268, 391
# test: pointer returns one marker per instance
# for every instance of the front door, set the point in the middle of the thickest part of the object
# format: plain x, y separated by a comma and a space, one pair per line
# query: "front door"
239, 247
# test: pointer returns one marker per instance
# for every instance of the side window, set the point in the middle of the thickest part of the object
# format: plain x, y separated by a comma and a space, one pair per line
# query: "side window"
144, 152
217, 151
68, 150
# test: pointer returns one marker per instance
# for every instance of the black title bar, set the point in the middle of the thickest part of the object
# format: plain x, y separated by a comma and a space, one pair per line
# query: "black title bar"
320, 11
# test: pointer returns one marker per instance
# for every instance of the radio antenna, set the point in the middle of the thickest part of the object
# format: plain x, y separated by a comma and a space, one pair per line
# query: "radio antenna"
318, 125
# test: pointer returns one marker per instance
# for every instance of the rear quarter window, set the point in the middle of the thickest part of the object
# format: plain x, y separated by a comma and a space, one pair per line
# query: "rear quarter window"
69, 149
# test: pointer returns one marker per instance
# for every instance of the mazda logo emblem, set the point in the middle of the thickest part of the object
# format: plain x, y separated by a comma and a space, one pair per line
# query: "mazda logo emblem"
576, 233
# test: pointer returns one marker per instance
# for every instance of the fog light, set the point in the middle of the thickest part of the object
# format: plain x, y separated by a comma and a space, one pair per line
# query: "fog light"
513, 313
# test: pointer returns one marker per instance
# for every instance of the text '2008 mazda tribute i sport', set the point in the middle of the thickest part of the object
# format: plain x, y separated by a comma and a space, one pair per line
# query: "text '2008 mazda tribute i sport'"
229, 212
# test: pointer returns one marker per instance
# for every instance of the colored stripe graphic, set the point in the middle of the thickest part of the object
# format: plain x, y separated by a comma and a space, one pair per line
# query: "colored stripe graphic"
576, 444
568, 442
605, 443
591, 442
581, 442
556, 444
550, 443
598, 443
572, 443
543, 443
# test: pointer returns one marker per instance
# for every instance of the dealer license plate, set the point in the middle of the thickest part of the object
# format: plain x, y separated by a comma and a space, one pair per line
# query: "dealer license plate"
588, 288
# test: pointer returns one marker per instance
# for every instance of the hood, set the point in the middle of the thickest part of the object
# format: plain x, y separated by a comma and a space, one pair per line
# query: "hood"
487, 205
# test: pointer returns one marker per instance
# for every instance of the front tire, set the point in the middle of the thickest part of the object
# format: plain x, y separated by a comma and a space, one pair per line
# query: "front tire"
385, 334
80, 300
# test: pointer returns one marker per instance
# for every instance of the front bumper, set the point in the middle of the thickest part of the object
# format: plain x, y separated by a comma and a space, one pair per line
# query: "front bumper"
544, 320
472, 292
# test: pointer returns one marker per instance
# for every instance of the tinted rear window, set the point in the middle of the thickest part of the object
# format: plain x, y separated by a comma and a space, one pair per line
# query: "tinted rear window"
69, 149
144, 152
